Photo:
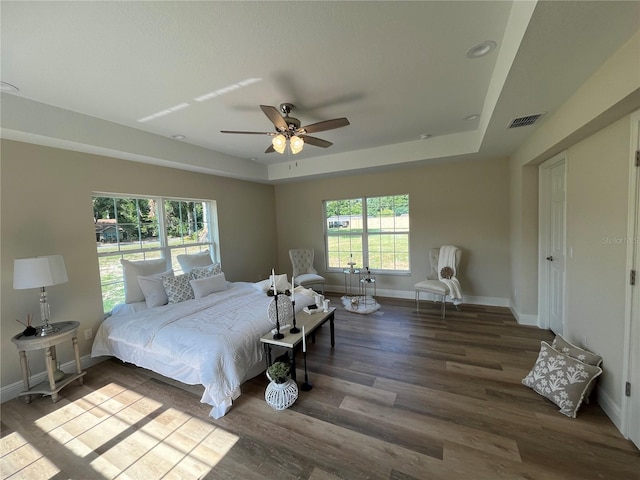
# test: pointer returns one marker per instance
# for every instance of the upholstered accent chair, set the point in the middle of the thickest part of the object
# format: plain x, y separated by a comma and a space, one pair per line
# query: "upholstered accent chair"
433, 283
303, 272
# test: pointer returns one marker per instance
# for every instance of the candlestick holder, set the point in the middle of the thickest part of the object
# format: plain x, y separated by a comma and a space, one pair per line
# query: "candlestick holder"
280, 305
306, 386
277, 335
294, 329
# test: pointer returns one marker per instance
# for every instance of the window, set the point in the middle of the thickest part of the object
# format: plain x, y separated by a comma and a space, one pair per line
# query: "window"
370, 231
146, 228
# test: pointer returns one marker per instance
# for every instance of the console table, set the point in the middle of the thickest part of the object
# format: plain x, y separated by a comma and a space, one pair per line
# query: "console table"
291, 341
65, 331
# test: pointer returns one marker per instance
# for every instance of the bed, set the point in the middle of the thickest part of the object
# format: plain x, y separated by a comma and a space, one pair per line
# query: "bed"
213, 341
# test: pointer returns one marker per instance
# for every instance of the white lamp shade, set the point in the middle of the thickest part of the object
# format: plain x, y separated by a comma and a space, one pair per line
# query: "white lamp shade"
37, 272
297, 144
279, 143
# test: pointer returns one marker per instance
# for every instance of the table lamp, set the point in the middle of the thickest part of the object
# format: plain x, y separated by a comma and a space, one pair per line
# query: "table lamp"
40, 272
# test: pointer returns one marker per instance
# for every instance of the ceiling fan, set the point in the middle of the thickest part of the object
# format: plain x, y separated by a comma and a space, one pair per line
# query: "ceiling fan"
289, 129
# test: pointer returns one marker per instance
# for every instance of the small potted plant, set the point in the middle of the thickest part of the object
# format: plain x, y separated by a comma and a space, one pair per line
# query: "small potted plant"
279, 372
281, 392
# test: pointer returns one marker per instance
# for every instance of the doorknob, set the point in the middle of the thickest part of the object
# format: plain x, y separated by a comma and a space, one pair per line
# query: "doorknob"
550, 258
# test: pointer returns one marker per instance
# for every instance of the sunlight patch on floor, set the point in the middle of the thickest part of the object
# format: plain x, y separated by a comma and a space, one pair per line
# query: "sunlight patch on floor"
19, 459
122, 433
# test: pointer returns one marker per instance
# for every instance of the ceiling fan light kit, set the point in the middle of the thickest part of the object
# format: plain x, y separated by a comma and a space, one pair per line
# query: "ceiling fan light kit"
279, 143
288, 128
296, 143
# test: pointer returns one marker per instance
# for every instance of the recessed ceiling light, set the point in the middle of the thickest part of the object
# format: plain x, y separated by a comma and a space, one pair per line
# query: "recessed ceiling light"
7, 87
424, 136
472, 117
178, 137
481, 49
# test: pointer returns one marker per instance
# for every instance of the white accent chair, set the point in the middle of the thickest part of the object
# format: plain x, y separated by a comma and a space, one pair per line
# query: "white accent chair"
303, 272
433, 285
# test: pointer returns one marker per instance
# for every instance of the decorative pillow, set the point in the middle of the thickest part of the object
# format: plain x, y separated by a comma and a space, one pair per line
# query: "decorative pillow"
282, 283
262, 285
178, 288
153, 289
204, 272
189, 261
578, 353
561, 379
133, 270
206, 286
446, 272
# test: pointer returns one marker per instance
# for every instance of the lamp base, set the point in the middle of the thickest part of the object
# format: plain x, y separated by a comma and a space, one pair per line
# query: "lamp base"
48, 329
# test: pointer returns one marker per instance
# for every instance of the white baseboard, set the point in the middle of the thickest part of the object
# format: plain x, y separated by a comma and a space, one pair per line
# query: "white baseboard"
531, 320
12, 391
411, 295
610, 408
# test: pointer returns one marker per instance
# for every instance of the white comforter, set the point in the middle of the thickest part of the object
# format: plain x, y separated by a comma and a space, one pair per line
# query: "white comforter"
213, 341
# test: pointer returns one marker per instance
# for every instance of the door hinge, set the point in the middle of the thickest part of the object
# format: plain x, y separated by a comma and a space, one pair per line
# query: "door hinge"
637, 158
627, 389
632, 277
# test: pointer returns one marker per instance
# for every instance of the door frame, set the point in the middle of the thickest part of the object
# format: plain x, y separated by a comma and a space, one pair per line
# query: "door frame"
544, 200
632, 319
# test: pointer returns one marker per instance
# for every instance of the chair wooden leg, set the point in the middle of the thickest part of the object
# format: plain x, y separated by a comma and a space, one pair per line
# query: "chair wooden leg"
444, 305
417, 301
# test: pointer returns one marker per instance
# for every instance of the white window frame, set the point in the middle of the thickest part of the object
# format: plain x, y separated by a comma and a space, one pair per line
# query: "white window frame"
364, 236
165, 250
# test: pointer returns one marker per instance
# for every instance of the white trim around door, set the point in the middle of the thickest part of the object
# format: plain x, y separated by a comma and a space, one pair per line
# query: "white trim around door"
631, 365
552, 243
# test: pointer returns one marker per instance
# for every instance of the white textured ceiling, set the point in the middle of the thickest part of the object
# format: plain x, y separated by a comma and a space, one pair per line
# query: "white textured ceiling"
89, 71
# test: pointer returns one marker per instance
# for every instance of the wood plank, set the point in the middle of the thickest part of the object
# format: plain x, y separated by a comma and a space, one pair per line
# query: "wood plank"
402, 396
478, 439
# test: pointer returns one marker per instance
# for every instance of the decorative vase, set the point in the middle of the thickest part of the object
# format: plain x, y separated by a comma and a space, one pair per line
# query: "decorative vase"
280, 396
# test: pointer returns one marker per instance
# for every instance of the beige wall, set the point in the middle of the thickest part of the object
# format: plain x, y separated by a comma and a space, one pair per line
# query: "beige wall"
612, 92
594, 127
46, 209
597, 212
462, 203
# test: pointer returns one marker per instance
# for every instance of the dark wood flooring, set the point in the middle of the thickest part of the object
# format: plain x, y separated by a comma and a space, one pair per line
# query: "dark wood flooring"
402, 396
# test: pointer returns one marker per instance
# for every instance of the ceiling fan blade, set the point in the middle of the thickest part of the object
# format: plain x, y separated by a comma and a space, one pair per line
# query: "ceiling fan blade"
274, 115
270, 149
326, 125
248, 133
318, 142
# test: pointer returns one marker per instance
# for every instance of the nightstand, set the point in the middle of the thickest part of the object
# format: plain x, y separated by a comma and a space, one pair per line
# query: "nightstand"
66, 331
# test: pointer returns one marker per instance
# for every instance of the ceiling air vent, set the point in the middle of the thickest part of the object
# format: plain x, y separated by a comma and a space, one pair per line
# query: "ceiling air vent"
524, 121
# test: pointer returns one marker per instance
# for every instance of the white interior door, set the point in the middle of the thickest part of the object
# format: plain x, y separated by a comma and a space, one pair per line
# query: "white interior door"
552, 244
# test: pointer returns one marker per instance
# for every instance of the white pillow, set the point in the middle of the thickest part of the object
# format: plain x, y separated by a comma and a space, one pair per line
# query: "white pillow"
281, 284
153, 290
262, 285
206, 286
204, 272
193, 260
178, 288
133, 270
